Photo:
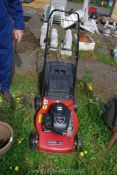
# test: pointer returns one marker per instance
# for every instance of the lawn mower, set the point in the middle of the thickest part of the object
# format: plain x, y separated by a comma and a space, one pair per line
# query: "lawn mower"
56, 120
93, 12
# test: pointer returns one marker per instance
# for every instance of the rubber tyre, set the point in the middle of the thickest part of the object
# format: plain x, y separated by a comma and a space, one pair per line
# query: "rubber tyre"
33, 140
78, 143
38, 103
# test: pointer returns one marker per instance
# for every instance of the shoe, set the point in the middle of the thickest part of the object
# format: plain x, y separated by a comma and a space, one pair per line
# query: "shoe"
8, 97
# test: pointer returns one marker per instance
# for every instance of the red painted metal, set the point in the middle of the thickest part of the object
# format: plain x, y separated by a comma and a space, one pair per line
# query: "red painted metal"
51, 142
92, 9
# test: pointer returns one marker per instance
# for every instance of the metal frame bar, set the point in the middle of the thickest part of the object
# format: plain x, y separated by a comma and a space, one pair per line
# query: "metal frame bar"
76, 52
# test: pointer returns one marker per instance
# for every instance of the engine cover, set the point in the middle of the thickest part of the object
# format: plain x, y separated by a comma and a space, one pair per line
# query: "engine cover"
61, 116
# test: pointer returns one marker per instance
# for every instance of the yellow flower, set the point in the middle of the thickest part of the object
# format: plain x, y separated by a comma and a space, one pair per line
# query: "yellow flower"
18, 99
16, 168
81, 154
19, 141
90, 86
85, 152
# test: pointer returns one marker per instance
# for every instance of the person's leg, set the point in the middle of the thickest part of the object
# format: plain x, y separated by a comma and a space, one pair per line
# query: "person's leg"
6, 64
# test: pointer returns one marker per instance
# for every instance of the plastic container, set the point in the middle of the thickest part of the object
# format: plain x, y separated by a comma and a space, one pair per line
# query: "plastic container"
6, 137
86, 45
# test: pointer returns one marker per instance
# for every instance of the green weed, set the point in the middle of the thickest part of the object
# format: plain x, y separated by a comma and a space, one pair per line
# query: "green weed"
104, 58
88, 76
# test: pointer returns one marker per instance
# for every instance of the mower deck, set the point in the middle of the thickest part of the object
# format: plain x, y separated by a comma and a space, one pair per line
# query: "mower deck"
50, 142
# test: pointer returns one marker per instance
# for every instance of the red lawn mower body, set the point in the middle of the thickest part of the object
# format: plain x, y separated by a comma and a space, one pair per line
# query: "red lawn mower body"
56, 119
50, 142
93, 12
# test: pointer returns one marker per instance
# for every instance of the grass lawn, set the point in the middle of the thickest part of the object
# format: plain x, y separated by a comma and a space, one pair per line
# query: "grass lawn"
97, 159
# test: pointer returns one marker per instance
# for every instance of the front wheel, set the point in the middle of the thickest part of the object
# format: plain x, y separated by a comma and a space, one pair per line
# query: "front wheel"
33, 140
78, 143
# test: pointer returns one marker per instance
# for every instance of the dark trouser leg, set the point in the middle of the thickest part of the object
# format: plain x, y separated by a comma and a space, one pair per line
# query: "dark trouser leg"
6, 62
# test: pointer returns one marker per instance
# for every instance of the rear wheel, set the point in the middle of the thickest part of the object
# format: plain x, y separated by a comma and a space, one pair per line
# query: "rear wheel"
38, 103
33, 140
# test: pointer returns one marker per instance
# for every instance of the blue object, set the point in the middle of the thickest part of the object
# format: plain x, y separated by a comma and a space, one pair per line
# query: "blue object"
11, 16
110, 3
